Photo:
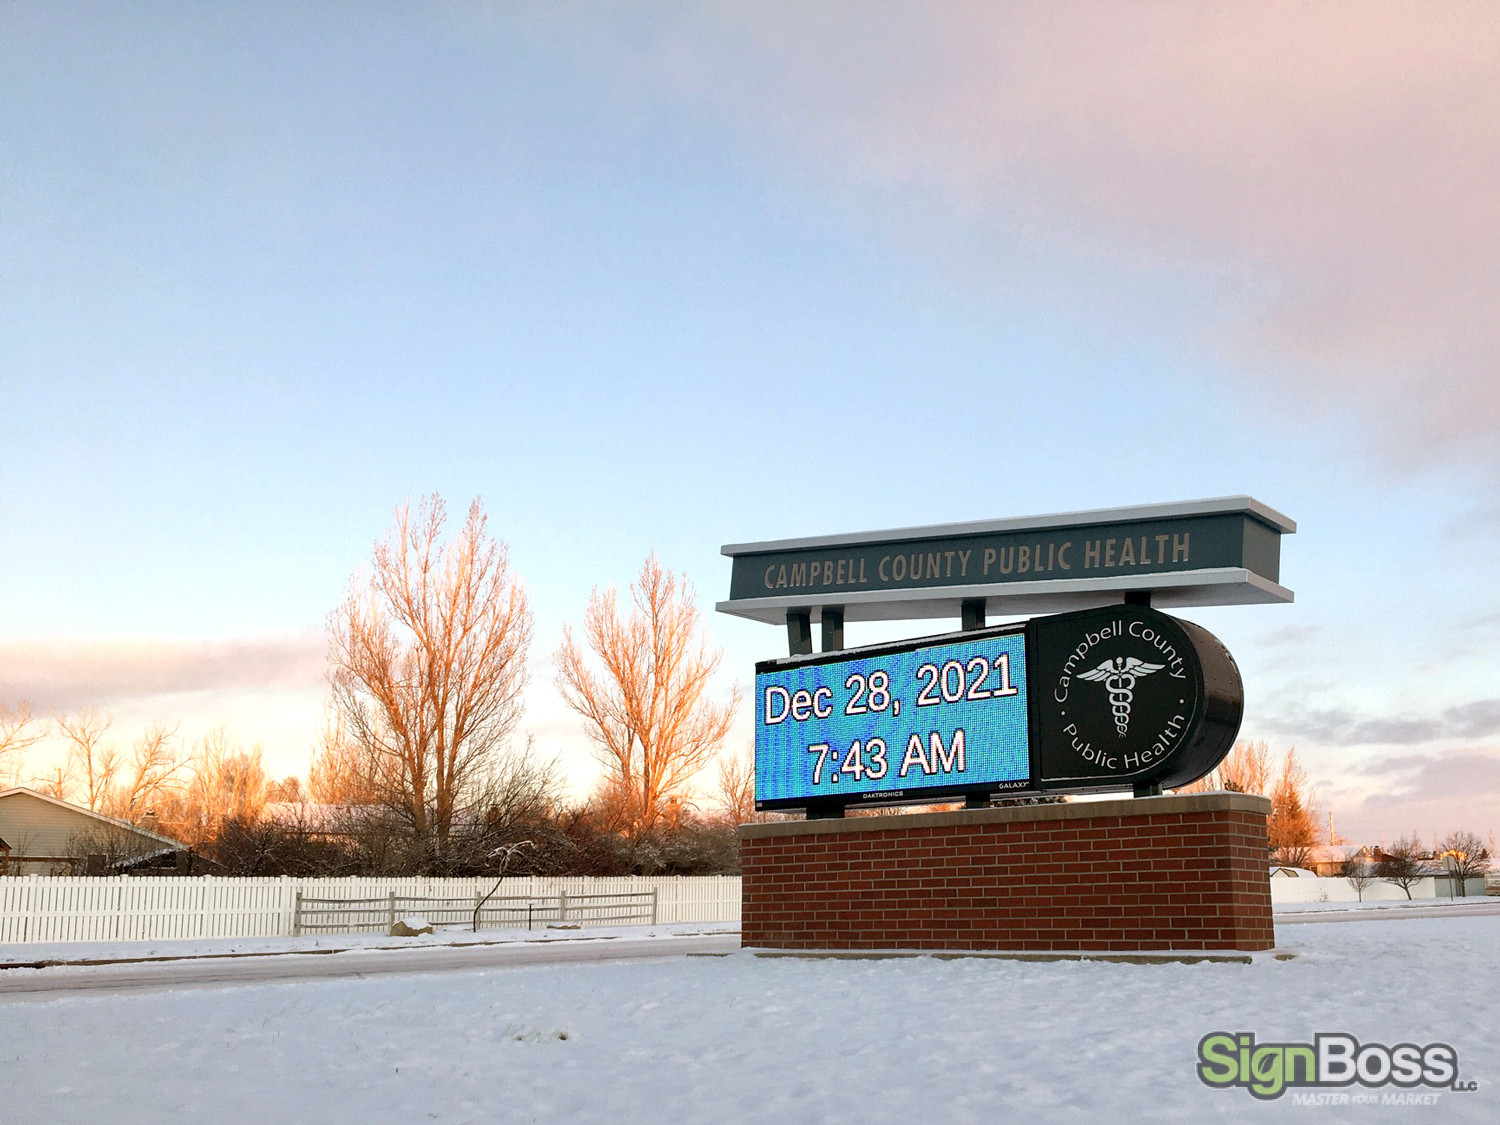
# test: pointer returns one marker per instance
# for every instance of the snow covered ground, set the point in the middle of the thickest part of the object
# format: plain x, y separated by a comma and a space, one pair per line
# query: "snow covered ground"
1284, 910
37, 953
746, 1038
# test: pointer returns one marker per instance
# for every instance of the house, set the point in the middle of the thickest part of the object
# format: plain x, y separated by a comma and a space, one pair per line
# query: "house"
44, 836
1328, 860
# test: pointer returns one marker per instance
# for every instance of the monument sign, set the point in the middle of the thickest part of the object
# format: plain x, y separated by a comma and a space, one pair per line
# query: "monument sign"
1107, 693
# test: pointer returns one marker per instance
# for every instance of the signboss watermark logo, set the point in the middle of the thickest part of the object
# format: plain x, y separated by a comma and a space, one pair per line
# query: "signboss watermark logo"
1331, 1061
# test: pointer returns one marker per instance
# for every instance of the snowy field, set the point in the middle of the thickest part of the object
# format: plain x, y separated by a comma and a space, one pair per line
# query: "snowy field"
68, 952
746, 1038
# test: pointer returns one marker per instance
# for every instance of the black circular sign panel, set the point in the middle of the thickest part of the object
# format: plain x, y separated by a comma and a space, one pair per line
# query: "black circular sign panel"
1129, 696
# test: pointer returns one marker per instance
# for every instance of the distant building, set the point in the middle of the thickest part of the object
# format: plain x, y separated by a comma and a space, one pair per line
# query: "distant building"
40, 835
1328, 860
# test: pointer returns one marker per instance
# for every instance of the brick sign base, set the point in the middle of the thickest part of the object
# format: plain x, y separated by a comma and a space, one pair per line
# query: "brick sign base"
1127, 875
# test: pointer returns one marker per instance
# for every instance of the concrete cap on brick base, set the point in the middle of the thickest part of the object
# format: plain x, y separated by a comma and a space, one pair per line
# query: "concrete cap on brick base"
1182, 805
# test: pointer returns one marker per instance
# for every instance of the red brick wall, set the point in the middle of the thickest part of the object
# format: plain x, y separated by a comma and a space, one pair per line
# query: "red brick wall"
1155, 873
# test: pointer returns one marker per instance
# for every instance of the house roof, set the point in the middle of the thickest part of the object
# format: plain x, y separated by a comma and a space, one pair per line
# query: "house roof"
1334, 853
168, 843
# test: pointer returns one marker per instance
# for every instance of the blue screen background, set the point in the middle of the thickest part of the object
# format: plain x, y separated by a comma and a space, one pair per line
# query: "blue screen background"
996, 743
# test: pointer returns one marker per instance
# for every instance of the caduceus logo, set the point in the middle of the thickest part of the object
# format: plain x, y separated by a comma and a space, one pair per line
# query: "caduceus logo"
1119, 676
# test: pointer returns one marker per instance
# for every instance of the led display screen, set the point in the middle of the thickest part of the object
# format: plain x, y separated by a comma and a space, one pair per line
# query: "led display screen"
938, 718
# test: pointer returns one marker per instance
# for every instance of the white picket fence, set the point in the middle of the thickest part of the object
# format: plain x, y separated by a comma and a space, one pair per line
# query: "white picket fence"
35, 908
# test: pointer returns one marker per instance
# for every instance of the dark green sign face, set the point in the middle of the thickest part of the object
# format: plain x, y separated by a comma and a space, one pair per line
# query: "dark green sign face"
1097, 551
1200, 552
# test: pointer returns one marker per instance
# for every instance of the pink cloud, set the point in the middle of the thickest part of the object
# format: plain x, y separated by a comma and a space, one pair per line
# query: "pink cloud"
1431, 795
64, 675
1331, 170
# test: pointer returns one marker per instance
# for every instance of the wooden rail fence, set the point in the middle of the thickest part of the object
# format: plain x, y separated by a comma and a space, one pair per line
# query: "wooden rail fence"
379, 915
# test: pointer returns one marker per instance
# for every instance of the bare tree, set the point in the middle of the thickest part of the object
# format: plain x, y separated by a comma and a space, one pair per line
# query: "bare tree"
97, 774
648, 711
91, 759
57, 784
504, 853
517, 790
288, 791
1292, 828
340, 773
17, 735
427, 665
156, 764
228, 786
1403, 863
1465, 856
1245, 769
736, 794
1360, 872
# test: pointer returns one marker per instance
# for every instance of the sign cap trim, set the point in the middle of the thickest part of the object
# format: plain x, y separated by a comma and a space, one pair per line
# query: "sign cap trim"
1223, 505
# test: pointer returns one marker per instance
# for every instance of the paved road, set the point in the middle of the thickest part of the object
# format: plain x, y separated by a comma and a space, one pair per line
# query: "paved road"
1386, 914
110, 980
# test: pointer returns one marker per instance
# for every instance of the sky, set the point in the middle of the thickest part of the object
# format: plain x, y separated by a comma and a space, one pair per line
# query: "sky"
653, 277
